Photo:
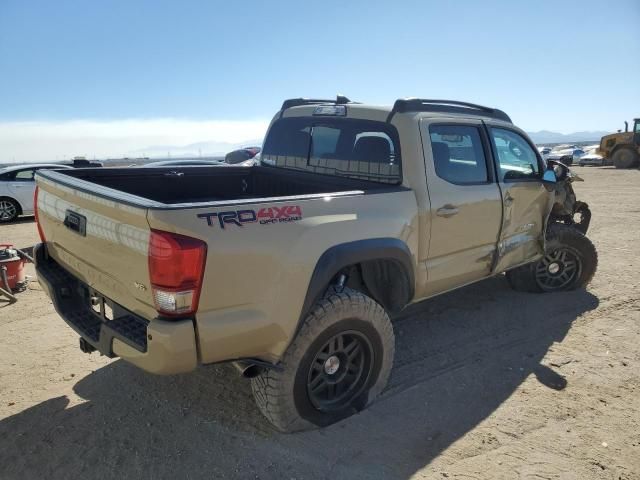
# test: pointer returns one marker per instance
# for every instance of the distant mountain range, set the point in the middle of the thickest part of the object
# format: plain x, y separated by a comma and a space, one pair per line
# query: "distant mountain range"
193, 149
545, 136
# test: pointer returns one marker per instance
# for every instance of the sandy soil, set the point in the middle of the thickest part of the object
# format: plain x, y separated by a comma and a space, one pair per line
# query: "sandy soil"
488, 383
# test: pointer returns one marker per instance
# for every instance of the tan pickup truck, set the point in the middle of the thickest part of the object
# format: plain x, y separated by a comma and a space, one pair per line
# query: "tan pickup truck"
291, 268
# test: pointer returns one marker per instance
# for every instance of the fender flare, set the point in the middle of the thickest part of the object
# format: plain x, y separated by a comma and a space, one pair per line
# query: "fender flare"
343, 255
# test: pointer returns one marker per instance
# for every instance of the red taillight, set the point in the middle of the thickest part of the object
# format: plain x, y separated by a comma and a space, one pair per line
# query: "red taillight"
176, 266
35, 212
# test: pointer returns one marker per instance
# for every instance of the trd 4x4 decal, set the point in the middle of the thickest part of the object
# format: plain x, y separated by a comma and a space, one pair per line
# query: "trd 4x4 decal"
286, 213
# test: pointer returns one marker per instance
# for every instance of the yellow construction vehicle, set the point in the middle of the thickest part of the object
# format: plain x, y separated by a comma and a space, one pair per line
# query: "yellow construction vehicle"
622, 148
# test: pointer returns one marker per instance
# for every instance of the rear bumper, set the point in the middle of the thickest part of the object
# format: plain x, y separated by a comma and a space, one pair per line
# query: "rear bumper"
157, 346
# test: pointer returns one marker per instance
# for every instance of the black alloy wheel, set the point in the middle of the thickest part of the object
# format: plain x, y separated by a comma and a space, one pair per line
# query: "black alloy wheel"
340, 371
558, 270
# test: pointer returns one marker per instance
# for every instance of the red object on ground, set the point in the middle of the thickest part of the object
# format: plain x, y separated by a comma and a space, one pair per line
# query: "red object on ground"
14, 265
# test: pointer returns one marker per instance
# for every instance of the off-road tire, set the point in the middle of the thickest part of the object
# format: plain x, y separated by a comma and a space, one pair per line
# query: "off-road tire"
559, 237
282, 395
8, 205
625, 158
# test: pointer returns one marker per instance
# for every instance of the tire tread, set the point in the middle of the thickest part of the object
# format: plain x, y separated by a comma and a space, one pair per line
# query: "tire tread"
273, 389
523, 278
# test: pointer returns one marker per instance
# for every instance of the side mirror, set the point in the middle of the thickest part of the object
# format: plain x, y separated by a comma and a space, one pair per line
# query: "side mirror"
549, 176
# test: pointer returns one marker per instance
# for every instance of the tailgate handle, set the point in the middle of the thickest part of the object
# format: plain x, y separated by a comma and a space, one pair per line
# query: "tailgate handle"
76, 222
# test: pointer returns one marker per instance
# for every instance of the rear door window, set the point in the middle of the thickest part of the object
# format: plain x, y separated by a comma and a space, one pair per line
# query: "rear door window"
362, 149
458, 154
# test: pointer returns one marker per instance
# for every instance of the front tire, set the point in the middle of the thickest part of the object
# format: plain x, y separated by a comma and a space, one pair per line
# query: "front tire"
9, 210
625, 158
338, 364
570, 263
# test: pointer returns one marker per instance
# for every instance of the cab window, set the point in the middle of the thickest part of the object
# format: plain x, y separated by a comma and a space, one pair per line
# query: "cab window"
458, 154
355, 148
516, 158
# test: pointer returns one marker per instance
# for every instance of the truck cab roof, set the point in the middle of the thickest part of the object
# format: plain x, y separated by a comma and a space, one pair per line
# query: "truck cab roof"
417, 107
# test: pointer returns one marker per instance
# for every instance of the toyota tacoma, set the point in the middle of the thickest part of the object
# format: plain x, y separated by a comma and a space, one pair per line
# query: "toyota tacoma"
291, 268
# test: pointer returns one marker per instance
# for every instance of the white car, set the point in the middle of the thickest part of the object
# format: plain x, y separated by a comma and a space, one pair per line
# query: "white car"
566, 155
591, 159
17, 187
183, 163
544, 152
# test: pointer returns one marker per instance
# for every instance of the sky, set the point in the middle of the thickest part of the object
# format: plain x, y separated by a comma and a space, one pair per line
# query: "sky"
129, 77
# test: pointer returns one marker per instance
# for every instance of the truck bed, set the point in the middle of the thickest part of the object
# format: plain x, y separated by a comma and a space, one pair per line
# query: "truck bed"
179, 185
258, 225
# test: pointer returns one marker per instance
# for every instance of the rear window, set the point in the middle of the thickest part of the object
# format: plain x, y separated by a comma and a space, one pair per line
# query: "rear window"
345, 147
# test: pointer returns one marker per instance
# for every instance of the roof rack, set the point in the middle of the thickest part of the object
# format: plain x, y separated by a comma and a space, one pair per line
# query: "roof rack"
296, 102
446, 106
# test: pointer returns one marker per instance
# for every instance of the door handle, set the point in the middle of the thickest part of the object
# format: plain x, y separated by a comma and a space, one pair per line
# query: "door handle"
447, 211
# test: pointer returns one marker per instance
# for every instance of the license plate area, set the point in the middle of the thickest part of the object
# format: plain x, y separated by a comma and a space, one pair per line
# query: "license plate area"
101, 306
110, 321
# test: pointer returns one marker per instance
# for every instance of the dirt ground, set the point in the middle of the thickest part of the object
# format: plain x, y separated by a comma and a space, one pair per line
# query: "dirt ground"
488, 383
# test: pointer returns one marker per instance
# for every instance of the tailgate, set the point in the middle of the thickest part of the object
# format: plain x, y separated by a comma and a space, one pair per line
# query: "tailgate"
100, 240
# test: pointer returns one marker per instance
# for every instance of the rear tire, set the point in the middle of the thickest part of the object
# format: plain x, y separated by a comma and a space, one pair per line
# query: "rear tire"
625, 158
338, 363
9, 210
570, 262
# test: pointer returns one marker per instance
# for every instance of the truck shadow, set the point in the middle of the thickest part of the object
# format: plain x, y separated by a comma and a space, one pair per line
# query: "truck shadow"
459, 357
